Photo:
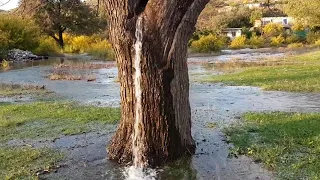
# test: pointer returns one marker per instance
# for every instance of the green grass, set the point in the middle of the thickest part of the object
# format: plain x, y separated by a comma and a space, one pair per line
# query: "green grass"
24, 163
52, 119
295, 74
288, 143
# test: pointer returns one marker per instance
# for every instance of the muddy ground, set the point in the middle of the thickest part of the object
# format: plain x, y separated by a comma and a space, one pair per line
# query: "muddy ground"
214, 106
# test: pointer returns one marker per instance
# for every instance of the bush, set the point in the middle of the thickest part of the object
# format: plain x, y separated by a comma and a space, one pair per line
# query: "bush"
317, 43
80, 44
102, 49
277, 41
94, 45
295, 45
239, 42
256, 41
293, 39
298, 26
4, 44
207, 44
312, 37
19, 33
272, 30
47, 47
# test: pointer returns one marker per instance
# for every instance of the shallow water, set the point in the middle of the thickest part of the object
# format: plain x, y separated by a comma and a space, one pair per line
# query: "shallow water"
210, 103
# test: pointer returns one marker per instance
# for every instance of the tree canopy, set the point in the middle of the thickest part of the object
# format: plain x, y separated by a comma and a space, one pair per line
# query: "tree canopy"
55, 17
306, 11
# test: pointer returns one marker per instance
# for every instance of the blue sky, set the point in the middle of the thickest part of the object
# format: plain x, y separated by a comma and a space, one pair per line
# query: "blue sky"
10, 5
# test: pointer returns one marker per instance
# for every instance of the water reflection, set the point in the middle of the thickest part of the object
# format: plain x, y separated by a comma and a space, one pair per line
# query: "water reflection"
181, 169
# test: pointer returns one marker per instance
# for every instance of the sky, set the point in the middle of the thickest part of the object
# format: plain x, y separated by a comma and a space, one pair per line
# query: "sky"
10, 5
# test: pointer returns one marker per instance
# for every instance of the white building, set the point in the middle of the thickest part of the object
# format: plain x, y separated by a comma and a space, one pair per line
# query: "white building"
254, 5
232, 33
286, 22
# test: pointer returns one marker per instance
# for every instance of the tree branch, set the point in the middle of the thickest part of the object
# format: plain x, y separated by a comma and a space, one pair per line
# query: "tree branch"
187, 26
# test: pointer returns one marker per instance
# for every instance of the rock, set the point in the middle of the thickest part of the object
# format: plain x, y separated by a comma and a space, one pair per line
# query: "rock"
17, 55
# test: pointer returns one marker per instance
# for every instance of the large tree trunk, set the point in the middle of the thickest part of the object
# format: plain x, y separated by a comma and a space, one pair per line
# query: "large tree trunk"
163, 131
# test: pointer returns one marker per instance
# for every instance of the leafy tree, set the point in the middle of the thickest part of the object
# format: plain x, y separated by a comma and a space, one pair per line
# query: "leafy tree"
305, 10
239, 17
16, 32
255, 15
55, 17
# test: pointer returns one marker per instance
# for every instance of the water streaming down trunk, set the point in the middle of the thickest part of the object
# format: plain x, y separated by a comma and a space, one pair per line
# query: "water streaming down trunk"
137, 136
155, 125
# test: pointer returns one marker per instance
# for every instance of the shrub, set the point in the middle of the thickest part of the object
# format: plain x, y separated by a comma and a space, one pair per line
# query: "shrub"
272, 30
102, 49
80, 44
238, 42
4, 64
295, 45
256, 41
47, 47
298, 26
312, 37
277, 41
4, 44
293, 39
210, 43
94, 45
317, 43
20, 33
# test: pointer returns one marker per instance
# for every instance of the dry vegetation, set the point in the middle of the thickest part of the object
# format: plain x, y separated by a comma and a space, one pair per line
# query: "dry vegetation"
62, 74
83, 65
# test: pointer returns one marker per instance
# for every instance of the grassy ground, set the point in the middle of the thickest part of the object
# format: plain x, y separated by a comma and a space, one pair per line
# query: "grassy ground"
44, 120
51, 119
288, 143
299, 73
25, 163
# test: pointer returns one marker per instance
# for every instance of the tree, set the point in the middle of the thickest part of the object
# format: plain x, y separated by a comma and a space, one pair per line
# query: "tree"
156, 121
55, 17
16, 32
305, 10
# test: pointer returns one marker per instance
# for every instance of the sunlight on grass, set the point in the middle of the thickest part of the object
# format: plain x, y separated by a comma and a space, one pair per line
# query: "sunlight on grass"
301, 76
52, 119
288, 143
24, 163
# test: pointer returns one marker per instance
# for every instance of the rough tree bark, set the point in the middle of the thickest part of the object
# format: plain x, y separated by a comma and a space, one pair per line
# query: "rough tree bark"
166, 116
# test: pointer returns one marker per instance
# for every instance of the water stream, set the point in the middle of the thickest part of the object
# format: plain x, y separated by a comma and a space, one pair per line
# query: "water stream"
139, 170
137, 136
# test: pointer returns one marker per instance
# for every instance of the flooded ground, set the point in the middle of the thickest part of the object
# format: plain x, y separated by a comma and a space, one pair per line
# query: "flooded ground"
214, 106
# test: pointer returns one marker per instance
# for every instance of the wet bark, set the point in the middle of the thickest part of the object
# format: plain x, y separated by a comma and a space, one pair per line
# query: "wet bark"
166, 116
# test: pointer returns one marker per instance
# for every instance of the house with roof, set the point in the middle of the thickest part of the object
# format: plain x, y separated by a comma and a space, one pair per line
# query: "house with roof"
232, 33
286, 22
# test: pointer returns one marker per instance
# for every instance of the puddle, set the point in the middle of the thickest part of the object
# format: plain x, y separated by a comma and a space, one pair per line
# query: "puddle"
211, 103
15, 99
